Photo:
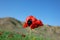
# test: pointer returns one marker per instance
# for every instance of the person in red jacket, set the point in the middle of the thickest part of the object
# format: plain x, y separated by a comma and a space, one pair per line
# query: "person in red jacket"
32, 22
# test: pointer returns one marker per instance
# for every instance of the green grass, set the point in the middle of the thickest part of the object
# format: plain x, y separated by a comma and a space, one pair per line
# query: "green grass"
14, 36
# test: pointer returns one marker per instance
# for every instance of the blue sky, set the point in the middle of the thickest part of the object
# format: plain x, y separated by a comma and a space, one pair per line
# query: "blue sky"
46, 10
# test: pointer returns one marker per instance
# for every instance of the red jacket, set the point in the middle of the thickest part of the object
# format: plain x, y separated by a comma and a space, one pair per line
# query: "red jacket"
34, 23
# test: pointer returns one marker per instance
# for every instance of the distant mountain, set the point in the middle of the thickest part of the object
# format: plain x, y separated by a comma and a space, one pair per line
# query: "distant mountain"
10, 24
14, 25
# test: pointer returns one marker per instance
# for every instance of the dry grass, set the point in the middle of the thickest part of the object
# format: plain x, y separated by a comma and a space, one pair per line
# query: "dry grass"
15, 26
